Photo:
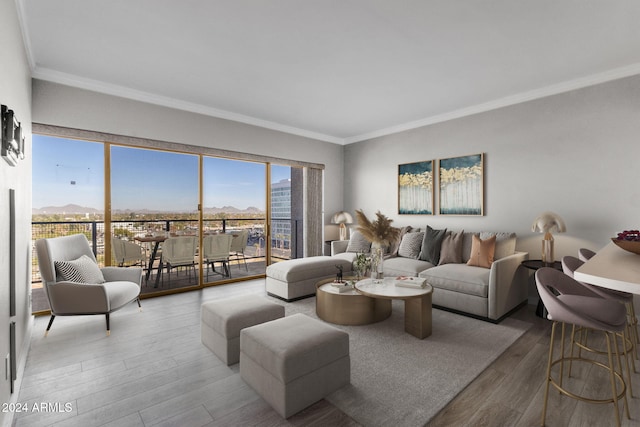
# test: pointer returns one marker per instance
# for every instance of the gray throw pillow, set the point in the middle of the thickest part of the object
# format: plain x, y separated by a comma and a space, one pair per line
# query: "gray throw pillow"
505, 243
395, 245
430, 250
451, 249
81, 270
410, 245
357, 243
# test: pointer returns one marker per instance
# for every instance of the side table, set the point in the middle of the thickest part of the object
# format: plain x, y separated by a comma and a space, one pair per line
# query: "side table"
535, 264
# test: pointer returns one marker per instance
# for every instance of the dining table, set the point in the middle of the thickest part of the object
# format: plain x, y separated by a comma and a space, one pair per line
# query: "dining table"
155, 240
612, 267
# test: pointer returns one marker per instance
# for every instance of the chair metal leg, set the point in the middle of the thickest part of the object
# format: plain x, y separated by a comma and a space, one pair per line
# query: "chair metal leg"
108, 327
53, 316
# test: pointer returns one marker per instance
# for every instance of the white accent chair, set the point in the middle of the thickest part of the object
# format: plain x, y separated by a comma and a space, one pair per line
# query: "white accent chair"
238, 245
216, 249
127, 253
66, 298
179, 252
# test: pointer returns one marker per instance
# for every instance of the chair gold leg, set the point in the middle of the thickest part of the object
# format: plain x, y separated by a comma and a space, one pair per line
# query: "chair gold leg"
612, 378
548, 378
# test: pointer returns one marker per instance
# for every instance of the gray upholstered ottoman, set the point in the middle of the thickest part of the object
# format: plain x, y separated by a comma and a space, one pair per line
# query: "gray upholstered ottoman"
222, 321
295, 361
296, 278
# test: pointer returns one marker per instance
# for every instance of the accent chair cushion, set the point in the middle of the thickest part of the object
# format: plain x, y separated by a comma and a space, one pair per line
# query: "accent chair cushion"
81, 270
482, 252
451, 249
410, 245
357, 243
431, 243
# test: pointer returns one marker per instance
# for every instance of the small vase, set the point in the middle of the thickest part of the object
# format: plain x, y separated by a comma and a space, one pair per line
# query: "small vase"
377, 258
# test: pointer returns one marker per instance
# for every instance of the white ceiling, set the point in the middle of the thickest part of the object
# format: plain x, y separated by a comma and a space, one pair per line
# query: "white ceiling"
336, 70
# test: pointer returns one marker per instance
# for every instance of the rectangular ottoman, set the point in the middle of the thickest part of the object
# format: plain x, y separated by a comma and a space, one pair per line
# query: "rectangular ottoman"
294, 361
296, 278
222, 321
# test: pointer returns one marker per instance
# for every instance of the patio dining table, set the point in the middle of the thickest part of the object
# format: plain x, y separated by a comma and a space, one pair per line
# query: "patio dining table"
156, 240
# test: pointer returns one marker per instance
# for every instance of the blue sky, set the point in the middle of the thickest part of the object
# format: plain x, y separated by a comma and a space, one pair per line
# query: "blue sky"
68, 171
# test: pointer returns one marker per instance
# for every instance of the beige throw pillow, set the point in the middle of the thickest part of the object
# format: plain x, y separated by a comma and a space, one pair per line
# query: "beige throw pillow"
451, 250
482, 252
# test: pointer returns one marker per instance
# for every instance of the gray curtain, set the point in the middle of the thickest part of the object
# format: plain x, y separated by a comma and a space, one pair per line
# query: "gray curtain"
313, 211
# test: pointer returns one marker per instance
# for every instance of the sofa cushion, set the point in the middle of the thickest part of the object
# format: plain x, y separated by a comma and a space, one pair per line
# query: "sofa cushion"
482, 252
357, 243
505, 243
346, 256
410, 245
460, 278
431, 243
400, 266
451, 249
295, 270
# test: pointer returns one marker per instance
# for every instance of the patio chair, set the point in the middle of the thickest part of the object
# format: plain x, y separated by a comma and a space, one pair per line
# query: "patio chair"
238, 245
74, 283
216, 248
179, 252
127, 253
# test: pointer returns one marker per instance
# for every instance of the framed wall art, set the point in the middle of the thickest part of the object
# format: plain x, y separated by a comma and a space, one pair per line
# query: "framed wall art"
461, 181
415, 188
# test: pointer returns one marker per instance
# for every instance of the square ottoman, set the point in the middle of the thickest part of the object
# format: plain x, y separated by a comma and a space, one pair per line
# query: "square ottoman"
294, 362
223, 319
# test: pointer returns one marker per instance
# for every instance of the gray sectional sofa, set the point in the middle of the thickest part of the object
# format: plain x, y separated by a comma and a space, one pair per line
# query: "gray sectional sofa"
487, 290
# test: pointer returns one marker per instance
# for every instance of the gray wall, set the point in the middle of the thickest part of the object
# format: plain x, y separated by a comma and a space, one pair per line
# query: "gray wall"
61, 105
575, 153
15, 92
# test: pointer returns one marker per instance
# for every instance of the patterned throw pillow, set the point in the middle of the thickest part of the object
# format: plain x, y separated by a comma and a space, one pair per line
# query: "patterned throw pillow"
410, 245
357, 243
81, 270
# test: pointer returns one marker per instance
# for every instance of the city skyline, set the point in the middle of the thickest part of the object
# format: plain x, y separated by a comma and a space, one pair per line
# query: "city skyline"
69, 171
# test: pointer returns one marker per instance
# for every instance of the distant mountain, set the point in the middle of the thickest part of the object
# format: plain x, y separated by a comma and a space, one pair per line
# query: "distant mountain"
72, 209
66, 209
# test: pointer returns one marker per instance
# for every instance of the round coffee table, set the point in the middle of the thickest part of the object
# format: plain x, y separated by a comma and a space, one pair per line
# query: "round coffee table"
417, 303
350, 307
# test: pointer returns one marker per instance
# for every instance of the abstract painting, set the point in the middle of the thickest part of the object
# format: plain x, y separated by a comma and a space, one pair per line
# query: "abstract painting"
415, 188
462, 185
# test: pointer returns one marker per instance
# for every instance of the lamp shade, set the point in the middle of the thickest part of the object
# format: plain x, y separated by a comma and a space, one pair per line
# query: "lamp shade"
342, 217
548, 222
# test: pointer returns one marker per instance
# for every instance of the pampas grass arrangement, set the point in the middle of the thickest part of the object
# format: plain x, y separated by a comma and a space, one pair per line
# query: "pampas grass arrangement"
378, 231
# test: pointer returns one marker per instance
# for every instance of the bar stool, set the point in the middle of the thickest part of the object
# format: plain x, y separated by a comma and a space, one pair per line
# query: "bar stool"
571, 264
558, 293
585, 254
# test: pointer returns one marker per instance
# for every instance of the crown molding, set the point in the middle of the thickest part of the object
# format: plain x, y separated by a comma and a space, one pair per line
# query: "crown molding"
137, 95
555, 89
22, 21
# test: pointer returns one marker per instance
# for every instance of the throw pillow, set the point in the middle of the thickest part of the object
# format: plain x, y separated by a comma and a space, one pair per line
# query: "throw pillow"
430, 250
451, 250
410, 245
357, 243
81, 270
395, 245
482, 251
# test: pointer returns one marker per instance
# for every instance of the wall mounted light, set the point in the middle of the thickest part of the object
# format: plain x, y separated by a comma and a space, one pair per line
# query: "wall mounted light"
12, 137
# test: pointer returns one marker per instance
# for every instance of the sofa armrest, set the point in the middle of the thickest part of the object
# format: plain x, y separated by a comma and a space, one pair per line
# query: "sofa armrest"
507, 284
339, 246
77, 298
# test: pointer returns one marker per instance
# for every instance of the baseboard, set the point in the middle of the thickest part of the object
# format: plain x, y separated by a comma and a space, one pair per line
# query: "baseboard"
486, 319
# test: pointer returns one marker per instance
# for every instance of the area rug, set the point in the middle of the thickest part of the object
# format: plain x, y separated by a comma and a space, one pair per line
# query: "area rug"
399, 380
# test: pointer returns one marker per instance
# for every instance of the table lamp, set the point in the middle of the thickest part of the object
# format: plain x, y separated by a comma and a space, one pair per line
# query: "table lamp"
342, 218
545, 223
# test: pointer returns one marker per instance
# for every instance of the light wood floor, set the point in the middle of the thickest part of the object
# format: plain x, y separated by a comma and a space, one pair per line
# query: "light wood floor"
153, 371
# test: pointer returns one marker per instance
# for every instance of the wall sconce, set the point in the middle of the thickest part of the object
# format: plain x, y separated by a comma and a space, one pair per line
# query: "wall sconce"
342, 218
545, 223
12, 137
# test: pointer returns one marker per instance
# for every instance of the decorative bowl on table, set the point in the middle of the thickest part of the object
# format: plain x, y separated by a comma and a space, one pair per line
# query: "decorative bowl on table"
629, 240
